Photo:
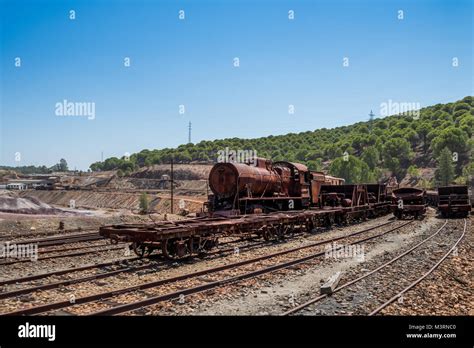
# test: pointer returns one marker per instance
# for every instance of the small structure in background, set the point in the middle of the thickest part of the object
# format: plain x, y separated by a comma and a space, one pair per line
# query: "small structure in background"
17, 186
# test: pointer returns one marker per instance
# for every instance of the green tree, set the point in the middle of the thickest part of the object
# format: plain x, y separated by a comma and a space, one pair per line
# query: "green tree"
413, 171
445, 172
63, 165
467, 176
352, 169
314, 165
453, 138
143, 204
423, 129
371, 156
425, 184
96, 166
397, 154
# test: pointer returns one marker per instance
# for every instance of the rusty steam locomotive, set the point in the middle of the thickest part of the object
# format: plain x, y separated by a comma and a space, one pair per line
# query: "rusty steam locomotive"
265, 187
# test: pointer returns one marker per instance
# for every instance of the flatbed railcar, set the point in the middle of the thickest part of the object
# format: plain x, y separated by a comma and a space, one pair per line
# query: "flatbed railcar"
268, 200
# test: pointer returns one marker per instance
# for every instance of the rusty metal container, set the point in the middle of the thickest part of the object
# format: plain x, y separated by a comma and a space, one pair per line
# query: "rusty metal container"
454, 200
408, 201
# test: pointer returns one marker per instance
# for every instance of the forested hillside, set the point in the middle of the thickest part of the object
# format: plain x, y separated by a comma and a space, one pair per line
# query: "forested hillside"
362, 152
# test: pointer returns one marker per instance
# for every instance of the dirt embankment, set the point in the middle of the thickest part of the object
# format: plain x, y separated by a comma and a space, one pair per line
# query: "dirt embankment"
11, 203
182, 187
180, 172
114, 200
189, 180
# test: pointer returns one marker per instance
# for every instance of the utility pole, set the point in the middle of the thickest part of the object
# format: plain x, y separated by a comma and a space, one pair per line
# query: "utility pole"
102, 156
189, 133
371, 119
172, 184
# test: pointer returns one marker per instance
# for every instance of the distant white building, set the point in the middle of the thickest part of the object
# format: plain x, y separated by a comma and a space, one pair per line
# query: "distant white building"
16, 186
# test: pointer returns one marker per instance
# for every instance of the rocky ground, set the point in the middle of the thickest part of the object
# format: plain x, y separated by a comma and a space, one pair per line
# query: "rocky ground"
26, 225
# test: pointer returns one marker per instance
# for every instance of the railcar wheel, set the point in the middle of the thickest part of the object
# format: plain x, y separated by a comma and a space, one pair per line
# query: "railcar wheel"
141, 250
267, 233
278, 231
193, 245
169, 250
310, 227
330, 221
174, 249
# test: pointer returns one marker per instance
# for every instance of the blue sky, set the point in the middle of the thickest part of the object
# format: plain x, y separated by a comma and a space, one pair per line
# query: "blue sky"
190, 62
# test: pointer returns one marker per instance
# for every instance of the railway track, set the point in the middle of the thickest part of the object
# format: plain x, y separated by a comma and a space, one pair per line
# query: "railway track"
133, 268
43, 251
102, 265
102, 248
422, 277
384, 267
58, 240
73, 254
65, 271
54, 285
173, 281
